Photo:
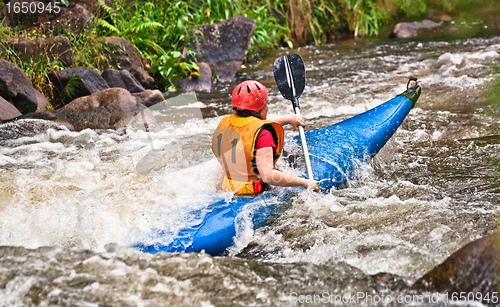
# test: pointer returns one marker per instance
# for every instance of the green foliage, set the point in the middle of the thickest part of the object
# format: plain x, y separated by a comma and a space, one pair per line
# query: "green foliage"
161, 30
36, 67
412, 8
363, 16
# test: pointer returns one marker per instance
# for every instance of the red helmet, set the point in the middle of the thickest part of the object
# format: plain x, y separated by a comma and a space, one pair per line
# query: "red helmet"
250, 95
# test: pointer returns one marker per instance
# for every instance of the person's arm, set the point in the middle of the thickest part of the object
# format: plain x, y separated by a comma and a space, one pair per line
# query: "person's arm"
295, 120
264, 160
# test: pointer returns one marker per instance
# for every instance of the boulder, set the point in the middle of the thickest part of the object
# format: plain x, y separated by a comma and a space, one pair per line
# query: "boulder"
224, 45
412, 29
57, 47
75, 82
475, 268
41, 102
47, 116
109, 109
93, 6
7, 110
198, 83
58, 19
121, 54
123, 79
149, 97
74, 18
16, 87
29, 19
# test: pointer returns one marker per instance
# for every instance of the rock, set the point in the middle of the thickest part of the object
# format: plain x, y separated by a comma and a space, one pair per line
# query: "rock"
28, 127
121, 54
7, 110
93, 6
224, 45
58, 48
16, 87
58, 19
84, 82
74, 18
407, 29
48, 116
195, 83
475, 268
110, 109
29, 19
123, 79
41, 102
149, 97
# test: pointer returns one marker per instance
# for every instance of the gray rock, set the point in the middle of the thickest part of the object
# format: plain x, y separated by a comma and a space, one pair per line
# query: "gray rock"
224, 45
110, 109
56, 48
123, 79
73, 83
17, 88
93, 6
47, 116
41, 102
121, 54
73, 18
7, 110
195, 83
475, 268
149, 97
407, 29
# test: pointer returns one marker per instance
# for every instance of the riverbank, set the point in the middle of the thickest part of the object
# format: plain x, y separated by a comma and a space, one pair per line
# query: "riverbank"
161, 31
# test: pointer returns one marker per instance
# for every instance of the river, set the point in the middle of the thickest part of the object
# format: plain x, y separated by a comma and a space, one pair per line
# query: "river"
71, 202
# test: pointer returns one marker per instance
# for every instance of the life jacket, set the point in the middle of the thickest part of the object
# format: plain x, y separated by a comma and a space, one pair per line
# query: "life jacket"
233, 143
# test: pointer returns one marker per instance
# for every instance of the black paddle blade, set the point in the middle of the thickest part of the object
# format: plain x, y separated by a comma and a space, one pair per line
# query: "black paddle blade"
290, 75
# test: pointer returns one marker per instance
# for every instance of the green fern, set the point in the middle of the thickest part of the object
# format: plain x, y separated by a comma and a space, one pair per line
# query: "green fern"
109, 27
147, 25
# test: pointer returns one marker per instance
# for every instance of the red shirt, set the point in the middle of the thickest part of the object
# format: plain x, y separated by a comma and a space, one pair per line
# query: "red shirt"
265, 139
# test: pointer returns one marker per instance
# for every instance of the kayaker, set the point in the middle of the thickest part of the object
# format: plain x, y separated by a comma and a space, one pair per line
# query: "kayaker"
248, 146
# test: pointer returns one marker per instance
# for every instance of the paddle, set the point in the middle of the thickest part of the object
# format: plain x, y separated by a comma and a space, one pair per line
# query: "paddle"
290, 75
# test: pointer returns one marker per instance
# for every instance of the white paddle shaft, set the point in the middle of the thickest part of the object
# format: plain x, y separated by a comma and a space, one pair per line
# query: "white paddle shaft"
304, 148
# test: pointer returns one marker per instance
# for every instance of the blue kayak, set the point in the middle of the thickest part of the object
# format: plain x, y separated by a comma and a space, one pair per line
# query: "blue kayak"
335, 152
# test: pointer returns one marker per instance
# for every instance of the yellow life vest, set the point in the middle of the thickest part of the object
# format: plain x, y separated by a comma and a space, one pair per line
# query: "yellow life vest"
233, 143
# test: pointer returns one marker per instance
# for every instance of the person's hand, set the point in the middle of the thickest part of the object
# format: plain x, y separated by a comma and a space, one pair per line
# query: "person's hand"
296, 121
311, 184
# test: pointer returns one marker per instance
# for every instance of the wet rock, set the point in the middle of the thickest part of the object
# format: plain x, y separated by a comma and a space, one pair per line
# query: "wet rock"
109, 109
47, 116
27, 128
224, 45
123, 79
56, 48
73, 83
7, 110
149, 97
412, 29
16, 87
59, 19
475, 268
198, 83
121, 54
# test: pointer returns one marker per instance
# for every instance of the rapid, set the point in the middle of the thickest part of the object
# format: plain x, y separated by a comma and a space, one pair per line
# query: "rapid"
72, 202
